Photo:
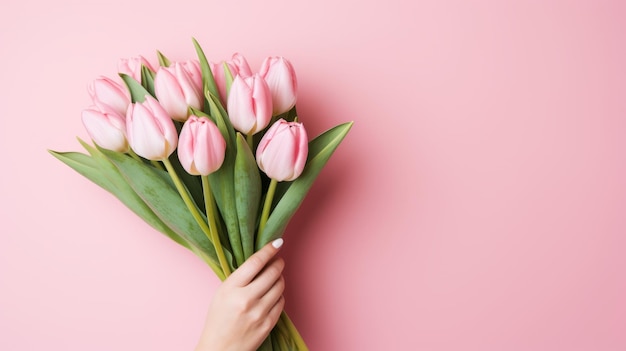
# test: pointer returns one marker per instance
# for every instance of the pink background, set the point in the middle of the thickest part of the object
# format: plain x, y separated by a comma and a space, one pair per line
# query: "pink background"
477, 204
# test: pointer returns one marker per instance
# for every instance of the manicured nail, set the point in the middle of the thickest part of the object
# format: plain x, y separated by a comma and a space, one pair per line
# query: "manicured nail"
277, 243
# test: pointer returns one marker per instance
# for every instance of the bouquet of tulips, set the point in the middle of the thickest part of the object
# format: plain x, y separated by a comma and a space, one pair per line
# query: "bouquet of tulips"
210, 154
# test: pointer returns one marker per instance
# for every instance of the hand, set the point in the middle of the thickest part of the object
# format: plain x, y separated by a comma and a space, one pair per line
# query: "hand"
247, 305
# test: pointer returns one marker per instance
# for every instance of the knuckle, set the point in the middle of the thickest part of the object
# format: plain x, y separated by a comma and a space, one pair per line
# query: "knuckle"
256, 262
243, 306
281, 284
256, 316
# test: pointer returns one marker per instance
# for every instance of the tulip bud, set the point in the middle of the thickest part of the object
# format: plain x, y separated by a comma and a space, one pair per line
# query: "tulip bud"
281, 78
201, 146
110, 96
179, 86
132, 66
150, 130
237, 66
106, 129
282, 152
249, 104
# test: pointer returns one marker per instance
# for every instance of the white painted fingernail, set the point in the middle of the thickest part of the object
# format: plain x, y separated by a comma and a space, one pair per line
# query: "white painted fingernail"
277, 243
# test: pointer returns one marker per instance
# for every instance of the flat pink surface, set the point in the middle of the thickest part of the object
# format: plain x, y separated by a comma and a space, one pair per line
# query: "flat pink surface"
479, 203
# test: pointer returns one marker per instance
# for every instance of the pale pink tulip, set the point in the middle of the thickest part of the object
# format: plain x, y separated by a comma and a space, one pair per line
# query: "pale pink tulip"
132, 66
106, 129
179, 86
249, 104
281, 78
237, 66
283, 150
150, 130
201, 146
109, 95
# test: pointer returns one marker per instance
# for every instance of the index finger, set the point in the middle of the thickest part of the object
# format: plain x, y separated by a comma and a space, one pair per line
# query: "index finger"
243, 275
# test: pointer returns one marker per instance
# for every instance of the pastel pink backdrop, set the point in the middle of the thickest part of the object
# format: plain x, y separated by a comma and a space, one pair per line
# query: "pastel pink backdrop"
478, 203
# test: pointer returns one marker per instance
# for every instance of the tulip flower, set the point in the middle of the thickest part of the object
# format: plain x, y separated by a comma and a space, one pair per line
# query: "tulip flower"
201, 151
237, 66
150, 130
132, 66
201, 146
282, 152
106, 129
281, 78
110, 96
249, 104
179, 86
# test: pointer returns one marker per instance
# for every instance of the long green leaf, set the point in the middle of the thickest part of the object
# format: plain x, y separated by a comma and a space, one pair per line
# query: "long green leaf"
208, 80
247, 194
137, 91
222, 180
163, 61
147, 80
159, 193
320, 150
100, 172
86, 166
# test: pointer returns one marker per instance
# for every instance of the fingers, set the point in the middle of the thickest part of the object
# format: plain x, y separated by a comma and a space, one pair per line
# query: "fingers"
267, 278
275, 311
255, 264
273, 294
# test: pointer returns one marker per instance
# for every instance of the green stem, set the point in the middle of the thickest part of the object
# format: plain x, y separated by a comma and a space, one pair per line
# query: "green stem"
134, 155
210, 214
267, 205
291, 328
187, 200
250, 140
156, 164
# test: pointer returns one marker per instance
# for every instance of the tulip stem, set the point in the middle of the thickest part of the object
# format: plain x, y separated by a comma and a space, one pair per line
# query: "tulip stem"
190, 205
250, 140
267, 205
134, 155
210, 214
156, 164
285, 322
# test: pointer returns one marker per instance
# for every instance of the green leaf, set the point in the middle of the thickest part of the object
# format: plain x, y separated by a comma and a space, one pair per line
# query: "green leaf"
247, 194
100, 171
86, 166
208, 80
147, 79
163, 61
137, 91
220, 117
222, 184
157, 190
228, 75
222, 181
320, 150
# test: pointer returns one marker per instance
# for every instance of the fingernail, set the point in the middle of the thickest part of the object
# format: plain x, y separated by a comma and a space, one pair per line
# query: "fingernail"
277, 243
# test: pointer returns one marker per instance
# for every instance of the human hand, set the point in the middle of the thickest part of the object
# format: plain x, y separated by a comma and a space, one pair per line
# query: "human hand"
247, 305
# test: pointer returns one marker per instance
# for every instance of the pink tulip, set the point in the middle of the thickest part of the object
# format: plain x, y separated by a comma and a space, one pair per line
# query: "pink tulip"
282, 152
237, 66
281, 78
249, 104
179, 86
201, 146
132, 66
150, 130
106, 129
109, 95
